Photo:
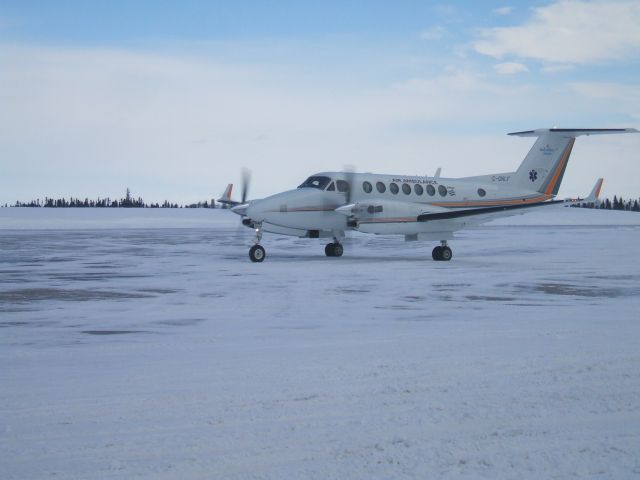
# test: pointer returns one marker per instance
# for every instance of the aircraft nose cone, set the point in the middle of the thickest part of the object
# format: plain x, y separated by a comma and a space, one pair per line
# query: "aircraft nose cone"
256, 210
240, 209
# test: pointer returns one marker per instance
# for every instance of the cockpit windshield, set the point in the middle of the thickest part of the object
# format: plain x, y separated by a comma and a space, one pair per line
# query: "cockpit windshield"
315, 182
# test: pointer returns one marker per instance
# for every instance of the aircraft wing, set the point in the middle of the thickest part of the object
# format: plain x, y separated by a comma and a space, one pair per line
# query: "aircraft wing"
492, 211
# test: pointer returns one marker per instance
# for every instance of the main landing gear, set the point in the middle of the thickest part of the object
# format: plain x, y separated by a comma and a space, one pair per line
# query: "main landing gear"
334, 249
257, 252
442, 253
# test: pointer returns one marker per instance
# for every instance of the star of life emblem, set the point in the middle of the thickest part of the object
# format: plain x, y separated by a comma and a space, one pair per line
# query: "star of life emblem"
533, 175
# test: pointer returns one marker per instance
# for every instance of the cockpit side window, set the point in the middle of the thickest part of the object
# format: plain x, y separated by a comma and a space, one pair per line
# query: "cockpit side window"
316, 182
343, 186
331, 187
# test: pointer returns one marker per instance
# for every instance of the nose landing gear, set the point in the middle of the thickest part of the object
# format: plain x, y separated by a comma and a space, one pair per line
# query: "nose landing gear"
257, 252
442, 253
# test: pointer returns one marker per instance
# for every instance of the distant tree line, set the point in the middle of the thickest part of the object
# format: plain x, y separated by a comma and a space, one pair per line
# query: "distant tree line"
127, 202
630, 205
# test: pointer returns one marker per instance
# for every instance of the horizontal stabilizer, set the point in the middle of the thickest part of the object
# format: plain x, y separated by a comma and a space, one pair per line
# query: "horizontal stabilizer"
573, 132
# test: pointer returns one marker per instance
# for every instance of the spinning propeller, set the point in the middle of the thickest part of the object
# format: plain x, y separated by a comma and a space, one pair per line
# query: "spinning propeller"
246, 180
349, 174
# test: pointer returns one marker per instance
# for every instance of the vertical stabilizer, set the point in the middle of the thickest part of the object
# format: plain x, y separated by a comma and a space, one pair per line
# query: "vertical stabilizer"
544, 166
225, 199
594, 196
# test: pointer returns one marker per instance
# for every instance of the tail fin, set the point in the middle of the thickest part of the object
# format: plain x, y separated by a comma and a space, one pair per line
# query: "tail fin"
225, 199
595, 193
544, 166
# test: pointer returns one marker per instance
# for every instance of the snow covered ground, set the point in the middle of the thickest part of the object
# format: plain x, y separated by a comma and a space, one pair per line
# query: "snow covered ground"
145, 344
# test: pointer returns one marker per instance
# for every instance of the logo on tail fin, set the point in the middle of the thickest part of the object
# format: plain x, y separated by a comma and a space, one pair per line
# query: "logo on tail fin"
533, 175
547, 150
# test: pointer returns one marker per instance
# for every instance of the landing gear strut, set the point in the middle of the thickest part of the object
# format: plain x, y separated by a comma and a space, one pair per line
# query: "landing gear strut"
257, 252
442, 253
334, 249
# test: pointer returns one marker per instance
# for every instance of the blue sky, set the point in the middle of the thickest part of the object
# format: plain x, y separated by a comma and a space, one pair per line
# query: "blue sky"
173, 98
128, 23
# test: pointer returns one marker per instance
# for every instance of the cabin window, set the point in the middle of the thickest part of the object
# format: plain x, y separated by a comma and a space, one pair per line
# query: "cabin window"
418, 189
343, 186
406, 188
394, 188
482, 192
331, 187
442, 190
316, 182
431, 190
367, 187
381, 187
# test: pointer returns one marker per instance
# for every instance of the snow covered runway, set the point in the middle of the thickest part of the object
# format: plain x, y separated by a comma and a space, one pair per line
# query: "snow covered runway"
133, 350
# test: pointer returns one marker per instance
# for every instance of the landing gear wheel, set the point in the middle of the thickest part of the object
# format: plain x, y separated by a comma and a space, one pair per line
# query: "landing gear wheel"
257, 253
442, 254
329, 250
333, 250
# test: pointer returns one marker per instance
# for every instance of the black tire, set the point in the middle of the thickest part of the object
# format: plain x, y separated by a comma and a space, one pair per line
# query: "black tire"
257, 253
329, 250
337, 250
446, 254
436, 254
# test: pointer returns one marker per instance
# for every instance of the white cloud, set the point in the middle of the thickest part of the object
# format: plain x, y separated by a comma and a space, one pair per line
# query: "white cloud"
557, 67
619, 97
510, 68
93, 121
506, 10
433, 33
570, 31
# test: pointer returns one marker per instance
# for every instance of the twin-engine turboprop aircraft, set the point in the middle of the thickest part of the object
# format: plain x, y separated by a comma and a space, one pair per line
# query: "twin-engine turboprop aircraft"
420, 208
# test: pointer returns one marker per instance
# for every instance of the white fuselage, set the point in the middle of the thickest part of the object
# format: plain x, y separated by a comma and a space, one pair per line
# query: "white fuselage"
385, 204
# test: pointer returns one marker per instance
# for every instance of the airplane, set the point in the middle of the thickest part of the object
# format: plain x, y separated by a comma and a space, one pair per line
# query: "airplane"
592, 198
225, 198
328, 204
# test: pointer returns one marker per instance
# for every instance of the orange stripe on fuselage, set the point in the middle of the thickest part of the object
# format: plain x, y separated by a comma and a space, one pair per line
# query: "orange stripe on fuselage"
560, 167
389, 220
491, 203
306, 209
